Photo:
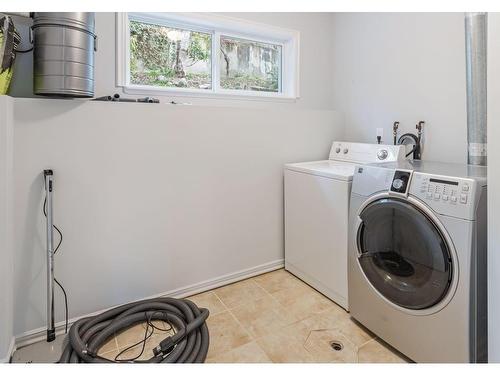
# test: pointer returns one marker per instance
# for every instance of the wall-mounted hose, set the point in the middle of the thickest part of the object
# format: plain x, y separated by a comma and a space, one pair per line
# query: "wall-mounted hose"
415, 139
415, 147
189, 344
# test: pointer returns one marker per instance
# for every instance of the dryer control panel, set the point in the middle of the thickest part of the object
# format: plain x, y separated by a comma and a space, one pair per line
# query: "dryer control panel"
451, 196
446, 190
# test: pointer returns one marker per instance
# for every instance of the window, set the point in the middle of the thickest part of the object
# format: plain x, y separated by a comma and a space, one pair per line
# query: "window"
205, 55
169, 57
249, 65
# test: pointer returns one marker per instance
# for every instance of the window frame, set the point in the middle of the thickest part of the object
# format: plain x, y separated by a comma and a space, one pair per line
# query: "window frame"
217, 26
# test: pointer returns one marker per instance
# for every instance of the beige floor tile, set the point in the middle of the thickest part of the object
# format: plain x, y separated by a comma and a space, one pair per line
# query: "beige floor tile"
263, 316
225, 333
337, 318
109, 345
376, 351
302, 301
355, 332
110, 354
329, 318
208, 300
151, 343
282, 347
248, 353
240, 293
297, 330
319, 342
277, 280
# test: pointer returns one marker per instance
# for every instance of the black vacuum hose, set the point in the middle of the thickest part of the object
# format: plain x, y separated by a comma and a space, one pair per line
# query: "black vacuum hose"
189, 344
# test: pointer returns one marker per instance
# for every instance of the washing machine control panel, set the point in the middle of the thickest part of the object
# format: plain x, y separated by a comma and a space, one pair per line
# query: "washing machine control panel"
366, 152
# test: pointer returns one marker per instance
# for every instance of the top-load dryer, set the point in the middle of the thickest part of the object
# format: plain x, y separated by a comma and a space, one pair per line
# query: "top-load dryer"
417, 258
316, 214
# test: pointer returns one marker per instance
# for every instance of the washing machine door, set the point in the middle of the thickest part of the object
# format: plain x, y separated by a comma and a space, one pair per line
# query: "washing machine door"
403, 254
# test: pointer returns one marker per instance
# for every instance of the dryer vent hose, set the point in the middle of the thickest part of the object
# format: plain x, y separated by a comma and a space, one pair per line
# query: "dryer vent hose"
189, 343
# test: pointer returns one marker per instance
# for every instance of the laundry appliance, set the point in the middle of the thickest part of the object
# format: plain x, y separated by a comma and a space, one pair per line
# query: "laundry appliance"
417, 258
316, 214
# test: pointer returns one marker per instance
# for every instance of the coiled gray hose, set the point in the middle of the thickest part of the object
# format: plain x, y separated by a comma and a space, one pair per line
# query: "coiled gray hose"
189, 344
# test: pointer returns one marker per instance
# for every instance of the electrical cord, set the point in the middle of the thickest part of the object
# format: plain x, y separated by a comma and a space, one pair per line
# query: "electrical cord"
147, 335
55, 279
55, 227
65, 305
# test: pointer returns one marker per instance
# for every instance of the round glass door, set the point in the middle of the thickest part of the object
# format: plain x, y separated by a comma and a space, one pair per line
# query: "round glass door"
403, 254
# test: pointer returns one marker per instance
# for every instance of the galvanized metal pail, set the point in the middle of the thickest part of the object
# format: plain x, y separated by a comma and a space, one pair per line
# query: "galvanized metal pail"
63, 60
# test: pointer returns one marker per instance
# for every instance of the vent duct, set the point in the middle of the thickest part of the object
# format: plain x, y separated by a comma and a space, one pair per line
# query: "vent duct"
475, 51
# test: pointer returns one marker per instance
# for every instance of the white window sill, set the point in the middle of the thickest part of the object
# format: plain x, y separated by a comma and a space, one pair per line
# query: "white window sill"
208, 94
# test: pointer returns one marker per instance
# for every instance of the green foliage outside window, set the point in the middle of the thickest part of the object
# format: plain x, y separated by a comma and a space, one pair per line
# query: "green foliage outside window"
158, 60
170, 57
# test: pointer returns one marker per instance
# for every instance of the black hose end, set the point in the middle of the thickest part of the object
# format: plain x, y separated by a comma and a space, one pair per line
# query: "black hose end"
164, 347
51, 335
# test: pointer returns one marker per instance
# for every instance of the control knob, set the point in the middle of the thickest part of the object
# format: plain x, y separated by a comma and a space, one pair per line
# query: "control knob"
337, 150
382, 154
397, 184
345, 151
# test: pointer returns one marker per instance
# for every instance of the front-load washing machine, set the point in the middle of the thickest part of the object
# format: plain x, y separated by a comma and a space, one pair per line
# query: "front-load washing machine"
417, 258
316, 214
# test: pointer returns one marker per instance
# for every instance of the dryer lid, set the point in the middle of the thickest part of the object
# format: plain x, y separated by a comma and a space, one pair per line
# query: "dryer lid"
325, 168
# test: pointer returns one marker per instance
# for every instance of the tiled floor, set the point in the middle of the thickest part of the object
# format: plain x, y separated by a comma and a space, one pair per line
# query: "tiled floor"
273, 317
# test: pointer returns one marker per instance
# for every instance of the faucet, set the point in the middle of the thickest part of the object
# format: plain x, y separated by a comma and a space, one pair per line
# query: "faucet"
395, 127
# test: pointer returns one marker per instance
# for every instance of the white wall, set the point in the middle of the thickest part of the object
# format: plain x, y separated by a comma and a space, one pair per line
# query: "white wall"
6, 228
144, 191
315, 59
151, 198
402, 67
493, 187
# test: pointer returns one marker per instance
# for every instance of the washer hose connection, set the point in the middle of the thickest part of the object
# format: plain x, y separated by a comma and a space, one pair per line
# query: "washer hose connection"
189, 343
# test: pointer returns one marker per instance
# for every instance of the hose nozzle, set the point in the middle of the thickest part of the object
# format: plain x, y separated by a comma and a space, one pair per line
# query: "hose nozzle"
164, 347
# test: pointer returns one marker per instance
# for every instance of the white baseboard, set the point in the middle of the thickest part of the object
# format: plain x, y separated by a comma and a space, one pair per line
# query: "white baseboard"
38, 334
10, 351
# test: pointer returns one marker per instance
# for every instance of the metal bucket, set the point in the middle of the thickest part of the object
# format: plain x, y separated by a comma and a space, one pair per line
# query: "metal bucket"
63, 59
